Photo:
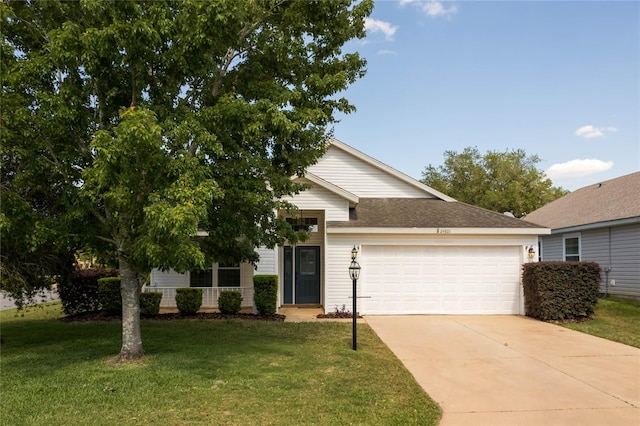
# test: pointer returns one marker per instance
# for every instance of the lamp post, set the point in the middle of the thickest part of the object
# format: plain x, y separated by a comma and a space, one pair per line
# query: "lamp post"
354, 273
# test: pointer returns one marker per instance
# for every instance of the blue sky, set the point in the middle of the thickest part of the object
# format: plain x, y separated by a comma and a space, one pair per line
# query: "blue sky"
560, 79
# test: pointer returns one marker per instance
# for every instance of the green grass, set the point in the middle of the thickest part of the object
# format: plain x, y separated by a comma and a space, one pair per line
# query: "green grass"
221, 372
617, 320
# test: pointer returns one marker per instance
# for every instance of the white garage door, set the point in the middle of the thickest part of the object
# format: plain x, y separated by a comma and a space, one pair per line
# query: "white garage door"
439, 280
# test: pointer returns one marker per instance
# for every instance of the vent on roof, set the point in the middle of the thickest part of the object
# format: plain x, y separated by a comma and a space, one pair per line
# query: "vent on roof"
508, 214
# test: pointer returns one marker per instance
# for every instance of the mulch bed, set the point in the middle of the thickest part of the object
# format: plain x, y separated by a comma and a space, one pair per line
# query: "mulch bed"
174, 316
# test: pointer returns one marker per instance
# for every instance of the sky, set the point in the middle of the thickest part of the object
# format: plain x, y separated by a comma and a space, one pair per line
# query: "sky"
559, 79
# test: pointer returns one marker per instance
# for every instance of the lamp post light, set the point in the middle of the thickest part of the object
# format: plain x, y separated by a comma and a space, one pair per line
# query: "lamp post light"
354, 273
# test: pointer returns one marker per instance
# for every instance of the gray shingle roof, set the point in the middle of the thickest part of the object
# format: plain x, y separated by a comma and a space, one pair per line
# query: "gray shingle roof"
424, 213
613, 199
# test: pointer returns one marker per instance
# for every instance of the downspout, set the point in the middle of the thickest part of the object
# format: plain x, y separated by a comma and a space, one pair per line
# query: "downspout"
607, 269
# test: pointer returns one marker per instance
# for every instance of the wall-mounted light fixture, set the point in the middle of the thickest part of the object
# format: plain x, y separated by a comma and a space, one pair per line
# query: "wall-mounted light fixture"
531, 252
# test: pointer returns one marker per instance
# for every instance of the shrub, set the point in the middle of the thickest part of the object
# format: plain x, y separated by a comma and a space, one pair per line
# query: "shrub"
556, 291
80, 294
229, 302
265, 293
150, 304
188, 300
109, 295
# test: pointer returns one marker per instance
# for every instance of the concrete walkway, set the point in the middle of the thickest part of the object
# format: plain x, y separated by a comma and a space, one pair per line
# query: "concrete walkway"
512, 370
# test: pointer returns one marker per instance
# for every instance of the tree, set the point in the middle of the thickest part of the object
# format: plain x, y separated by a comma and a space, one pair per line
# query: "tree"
500, 181
156, 119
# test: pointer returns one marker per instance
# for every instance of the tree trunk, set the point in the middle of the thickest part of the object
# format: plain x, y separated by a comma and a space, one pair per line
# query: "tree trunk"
131, 335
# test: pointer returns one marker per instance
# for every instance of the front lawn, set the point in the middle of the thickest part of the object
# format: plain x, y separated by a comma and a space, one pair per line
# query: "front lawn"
221, 372
615, 319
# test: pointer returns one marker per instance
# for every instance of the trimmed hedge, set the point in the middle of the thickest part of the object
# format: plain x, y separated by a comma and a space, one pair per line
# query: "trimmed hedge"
265, 293
188, 300
109, 295
230, 302
80, 295
150, 304
556, 291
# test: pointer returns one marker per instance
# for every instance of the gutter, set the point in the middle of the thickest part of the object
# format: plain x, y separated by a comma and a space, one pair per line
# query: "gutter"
596, 225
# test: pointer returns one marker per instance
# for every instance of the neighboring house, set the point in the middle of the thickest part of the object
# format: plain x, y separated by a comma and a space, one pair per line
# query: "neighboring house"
598, 223
421, 252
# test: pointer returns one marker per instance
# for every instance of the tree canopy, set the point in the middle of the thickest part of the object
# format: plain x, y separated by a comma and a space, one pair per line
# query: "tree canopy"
129, 125
506, 181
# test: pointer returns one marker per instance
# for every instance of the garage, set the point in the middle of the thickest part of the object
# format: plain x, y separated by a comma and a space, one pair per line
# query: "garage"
440, 280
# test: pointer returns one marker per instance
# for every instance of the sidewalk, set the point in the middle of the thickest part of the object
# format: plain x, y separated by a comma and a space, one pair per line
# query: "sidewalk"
7, 302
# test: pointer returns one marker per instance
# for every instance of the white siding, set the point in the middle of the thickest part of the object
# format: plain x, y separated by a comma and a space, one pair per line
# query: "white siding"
360, 178
168, 278
317, 198
268, 261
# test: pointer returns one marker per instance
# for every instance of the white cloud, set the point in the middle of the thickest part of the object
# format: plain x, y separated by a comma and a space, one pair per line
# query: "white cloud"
375, 25
431, 8
387, 52
577, 169
590, 131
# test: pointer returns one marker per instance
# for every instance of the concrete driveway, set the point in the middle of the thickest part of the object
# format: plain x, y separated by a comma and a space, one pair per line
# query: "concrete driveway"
513, 370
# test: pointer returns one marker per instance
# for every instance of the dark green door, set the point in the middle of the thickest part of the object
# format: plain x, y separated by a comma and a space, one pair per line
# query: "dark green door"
307, 275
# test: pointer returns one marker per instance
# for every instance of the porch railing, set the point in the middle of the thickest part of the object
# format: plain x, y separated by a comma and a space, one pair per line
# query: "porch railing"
209, 295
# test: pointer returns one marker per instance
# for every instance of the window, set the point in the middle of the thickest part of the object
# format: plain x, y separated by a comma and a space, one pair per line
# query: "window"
572, 247
304, 224
201, 278
229, 275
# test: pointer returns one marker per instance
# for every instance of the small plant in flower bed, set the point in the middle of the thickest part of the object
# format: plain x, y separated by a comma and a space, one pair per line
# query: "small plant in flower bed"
338, 313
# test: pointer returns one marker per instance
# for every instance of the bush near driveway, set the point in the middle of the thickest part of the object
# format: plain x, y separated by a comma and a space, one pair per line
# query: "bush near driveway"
556, 291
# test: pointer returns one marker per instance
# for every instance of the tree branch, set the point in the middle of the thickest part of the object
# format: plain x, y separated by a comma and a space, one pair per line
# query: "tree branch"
233, 53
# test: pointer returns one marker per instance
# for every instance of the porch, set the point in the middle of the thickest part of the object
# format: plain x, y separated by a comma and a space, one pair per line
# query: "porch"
209, 295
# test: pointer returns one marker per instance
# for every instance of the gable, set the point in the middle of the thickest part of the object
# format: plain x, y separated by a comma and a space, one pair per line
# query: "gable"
366, 177
336, 207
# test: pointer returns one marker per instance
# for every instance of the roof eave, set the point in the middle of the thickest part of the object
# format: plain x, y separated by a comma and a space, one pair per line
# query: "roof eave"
597, 225
438, 231
349, 196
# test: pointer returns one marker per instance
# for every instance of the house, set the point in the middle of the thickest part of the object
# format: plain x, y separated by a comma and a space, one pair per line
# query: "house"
421, 252
598, 223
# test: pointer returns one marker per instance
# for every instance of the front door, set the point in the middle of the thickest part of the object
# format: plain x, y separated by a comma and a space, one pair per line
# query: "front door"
302, 275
